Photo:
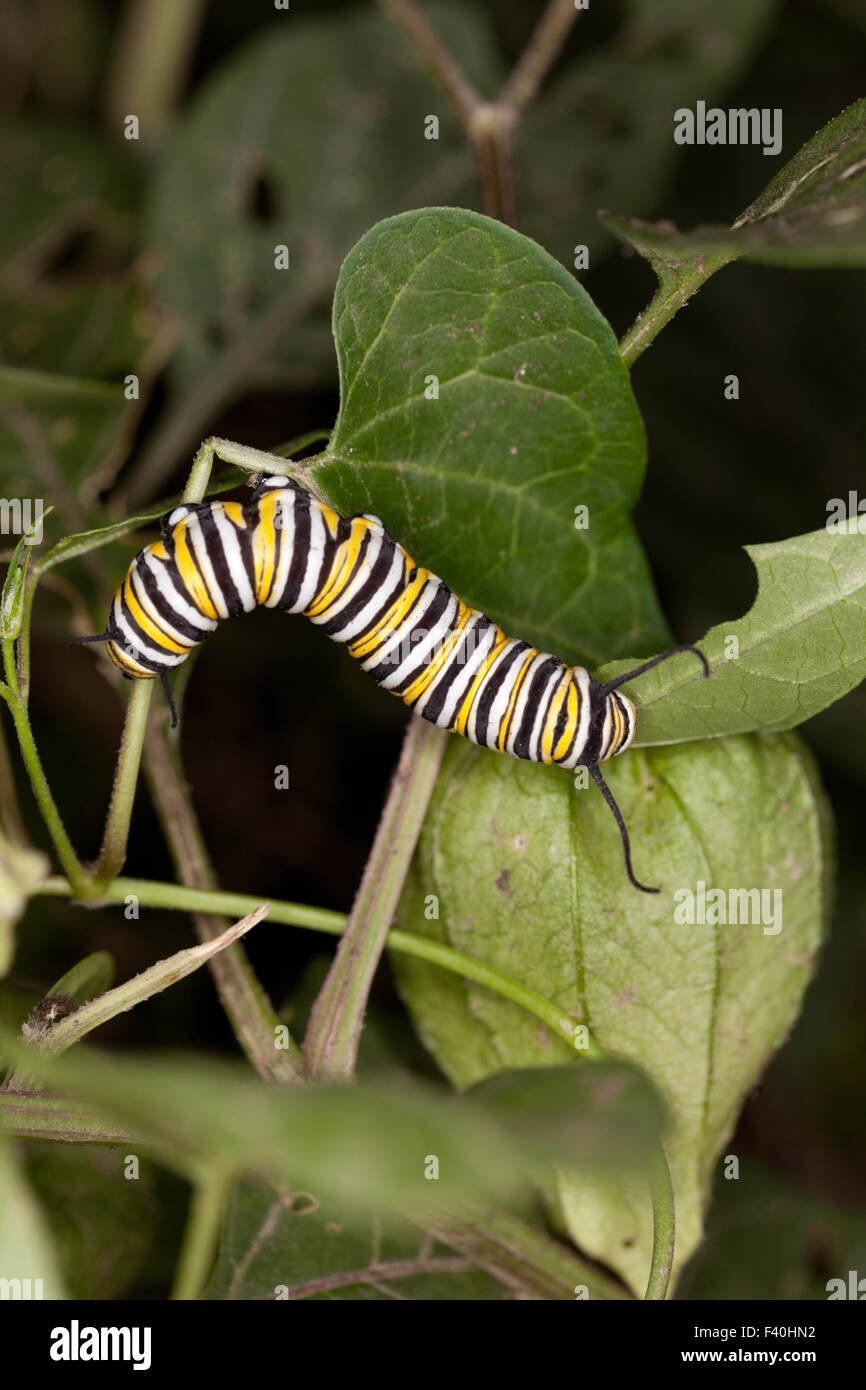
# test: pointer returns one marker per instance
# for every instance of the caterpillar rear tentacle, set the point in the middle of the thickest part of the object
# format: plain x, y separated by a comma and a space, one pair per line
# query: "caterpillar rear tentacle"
449, 663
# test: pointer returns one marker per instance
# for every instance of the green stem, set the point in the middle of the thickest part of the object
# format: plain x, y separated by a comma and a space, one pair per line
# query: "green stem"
113, 852
201, 1234
334, 1032
675, 289
47, 805
664, 1226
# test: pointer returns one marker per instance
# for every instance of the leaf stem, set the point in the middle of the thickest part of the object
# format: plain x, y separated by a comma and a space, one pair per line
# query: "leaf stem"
95, 1012
331, 1044
57, 1119
676, 288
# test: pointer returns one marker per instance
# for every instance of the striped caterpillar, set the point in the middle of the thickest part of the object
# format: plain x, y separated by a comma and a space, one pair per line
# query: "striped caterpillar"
449, 663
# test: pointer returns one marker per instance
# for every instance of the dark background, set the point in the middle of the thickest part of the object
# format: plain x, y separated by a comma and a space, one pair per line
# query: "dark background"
721, 475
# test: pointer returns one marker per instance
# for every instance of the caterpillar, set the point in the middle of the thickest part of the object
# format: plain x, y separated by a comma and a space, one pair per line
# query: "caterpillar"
448, 662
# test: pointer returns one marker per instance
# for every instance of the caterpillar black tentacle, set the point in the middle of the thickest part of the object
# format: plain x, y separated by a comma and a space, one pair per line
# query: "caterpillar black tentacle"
449, 663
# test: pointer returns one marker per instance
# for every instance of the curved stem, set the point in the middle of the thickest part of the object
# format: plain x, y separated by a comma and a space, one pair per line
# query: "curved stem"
664, 1226
62, 844
674, 291
202, 1231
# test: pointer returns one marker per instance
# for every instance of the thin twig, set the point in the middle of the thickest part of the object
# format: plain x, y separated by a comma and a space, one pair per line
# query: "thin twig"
441, 64
490, 125
252, 1017
539, 55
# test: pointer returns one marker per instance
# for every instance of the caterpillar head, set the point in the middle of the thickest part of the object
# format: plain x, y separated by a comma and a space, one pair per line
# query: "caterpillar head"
127, 660
620, 724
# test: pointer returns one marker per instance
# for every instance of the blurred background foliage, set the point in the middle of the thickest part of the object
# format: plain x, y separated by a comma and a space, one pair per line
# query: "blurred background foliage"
153, 257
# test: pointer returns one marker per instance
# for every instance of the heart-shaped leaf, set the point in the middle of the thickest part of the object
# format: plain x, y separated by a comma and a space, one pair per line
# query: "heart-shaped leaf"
483, 405
521, 869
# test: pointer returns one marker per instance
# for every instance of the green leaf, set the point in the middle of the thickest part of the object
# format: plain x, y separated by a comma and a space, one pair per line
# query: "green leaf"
813, 213
534, 417
800, 647
27, 1249
295, 1246
334, 138
601, 133
526, 873
357, 1145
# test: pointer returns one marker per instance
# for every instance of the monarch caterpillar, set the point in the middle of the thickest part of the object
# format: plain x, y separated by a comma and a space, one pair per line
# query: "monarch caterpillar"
448, 662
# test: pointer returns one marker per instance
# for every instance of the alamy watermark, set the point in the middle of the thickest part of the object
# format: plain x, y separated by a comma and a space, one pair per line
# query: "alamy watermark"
21, 517
847, 518
719, 907
736, 126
